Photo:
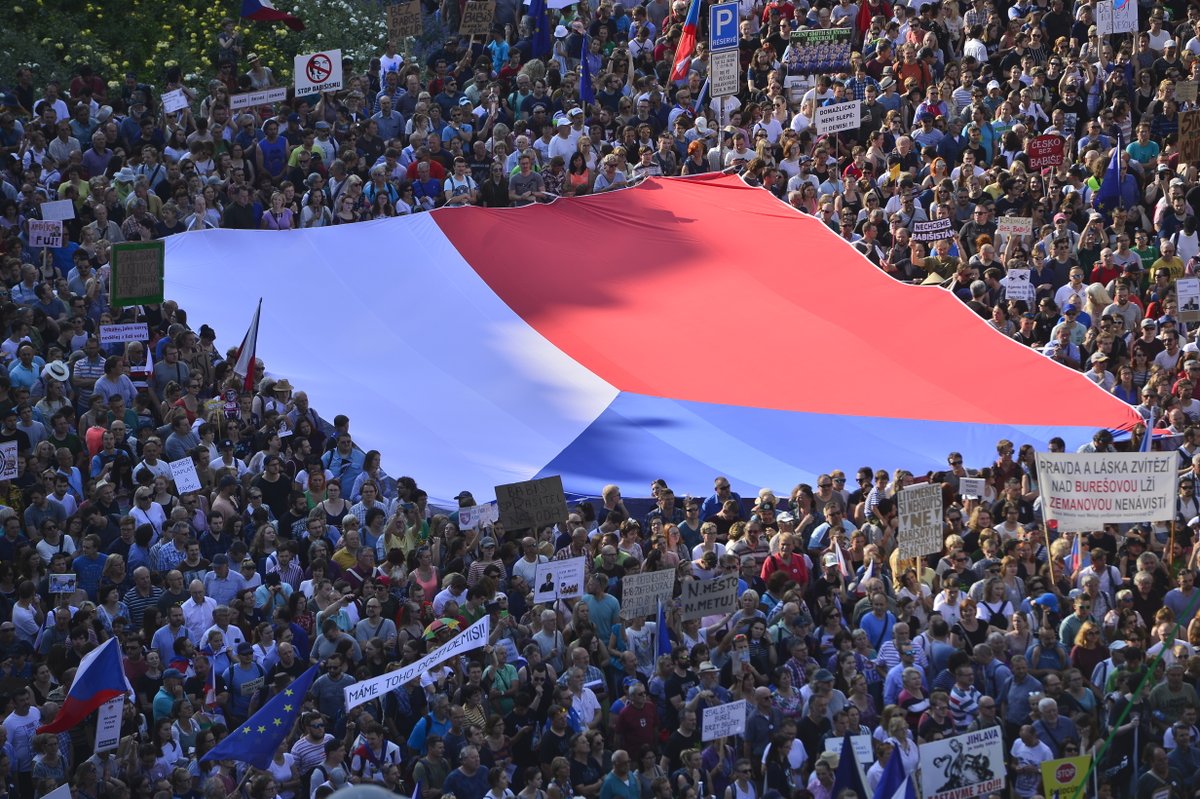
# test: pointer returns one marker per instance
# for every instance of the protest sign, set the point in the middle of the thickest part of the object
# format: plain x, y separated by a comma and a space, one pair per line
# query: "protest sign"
477, 18
45, 233
318, 72
971, 487
971, 764
1017, 286
1014, 226
62, 583
108, 725
124, 333
818, 51
1189, 136
836, 118
175, 100
469, 639
1063, 778
263, 97
1086, 490
1187, 294
471, 517
61, 210
709, 597
532, 504
8, 460
559, 579
723, 721
1116, 16
1185, 91
920, 520
864, 755
183, 472
404, 19
934, 230
641, 593
1044, 151
137, 273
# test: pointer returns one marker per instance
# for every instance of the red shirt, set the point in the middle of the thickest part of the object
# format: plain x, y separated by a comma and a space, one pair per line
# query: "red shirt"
638, 727
795, 567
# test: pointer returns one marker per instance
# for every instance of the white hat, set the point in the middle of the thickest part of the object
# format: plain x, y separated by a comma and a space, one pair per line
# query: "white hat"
125, 175
702, 126
56, 370
104, 114
1169, 43
560, 32
993, 85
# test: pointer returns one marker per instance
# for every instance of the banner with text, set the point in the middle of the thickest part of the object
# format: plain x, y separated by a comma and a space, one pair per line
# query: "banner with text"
935, 230
641, 593
709, 597
1084, 491
839, 117
967, 765
108, 725
263, 97
919, 531
864, 755
723, 721
1044, 151
124, 333
818, 51
45, 233
559, 579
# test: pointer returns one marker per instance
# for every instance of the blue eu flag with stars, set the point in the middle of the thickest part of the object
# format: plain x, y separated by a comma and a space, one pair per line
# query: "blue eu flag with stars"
256, 740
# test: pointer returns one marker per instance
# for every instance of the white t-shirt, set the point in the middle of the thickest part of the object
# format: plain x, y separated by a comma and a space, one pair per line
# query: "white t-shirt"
1027, 785
586, 705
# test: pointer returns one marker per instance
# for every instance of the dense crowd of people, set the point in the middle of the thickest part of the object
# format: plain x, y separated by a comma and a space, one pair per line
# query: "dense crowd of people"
300, 549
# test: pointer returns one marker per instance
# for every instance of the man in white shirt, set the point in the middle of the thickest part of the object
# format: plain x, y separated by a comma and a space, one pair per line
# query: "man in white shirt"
526, 565
583, 699
1028, 754
198, 611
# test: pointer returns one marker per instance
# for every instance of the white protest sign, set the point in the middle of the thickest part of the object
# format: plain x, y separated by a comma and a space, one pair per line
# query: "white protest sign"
61, 583
1017, 286
1124, 16
839, 117
971, 487
709, 597
469, 639
1187, 294
963, 766
124, 333
61, 792
559, 579
920, 520
470, 518
175, 100
1104, 17
183, 472
1014, 226
8, 460
864, 755
318, 72
1084, 491
45, 233
264, 97
60, 210
108, 725
641, 593
723, 721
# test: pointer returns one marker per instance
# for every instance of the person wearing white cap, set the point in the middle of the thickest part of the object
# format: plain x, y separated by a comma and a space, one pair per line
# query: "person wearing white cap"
562, 143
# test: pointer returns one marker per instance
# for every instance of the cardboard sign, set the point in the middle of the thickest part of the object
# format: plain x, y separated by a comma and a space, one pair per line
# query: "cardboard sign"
264, 97
836, 118
175, 100
1189, 136
137, 273
1185, 91
723, 721
45, 233
1017, 286
8, 460
962, 766
61, 210
641, 593
1014, 226
1187, 292
486, 514
318, 72
122, 334
1046, 151
559, 579
403, 20
920, 520
108, 725
1064, 777
477, 18
971, 487
61, 583
1084, 491
532, 504
709, 597
934, 230
183, 472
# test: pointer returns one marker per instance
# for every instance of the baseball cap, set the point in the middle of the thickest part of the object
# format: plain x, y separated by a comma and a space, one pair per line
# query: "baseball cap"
245, 648
172, 674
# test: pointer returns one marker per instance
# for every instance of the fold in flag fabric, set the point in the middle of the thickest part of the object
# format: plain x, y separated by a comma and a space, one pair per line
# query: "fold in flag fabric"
100, 677
687, 43
265, 11
662, 636
256, 740
244, 366
895, 784
1108, 196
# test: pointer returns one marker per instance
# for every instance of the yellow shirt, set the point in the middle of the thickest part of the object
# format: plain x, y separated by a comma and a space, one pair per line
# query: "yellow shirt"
1173, 263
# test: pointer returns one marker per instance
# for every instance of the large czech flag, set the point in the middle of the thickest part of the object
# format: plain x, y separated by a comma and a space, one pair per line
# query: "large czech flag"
99, 678
265, 11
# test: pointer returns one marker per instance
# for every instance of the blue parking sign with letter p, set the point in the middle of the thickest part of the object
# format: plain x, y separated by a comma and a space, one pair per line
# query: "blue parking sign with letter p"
723, 27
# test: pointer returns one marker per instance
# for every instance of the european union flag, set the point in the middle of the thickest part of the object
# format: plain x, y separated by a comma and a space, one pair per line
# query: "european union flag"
1108, 196
662, 634
587, 89
256, 740
541, 46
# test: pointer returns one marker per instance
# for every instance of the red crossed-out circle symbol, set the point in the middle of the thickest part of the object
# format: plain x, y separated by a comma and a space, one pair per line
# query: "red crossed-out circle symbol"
319, 68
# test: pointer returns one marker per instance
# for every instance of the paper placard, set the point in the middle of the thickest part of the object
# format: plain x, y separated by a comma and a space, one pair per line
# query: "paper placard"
1189, 136
477, 18
934, 230
1044, 151
124, 333
1187, 292
174, 100
1084, 491
836, 118
1064, 777
61, 583
723, 721
137, 273
318, 72
920, 520
641, 593
962, 766
61, 210
1185, 91
532, 504
971, 487
108, 725
45, 232
486, 514
8, 460
864, 755
709, 597
183, 472
818, 51
1014, 226
403, 20
1017, 286
559, 579
264, 97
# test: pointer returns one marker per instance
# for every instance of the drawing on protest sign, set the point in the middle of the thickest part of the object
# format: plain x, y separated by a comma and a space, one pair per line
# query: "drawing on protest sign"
108, 725
836, 118
1084, 491
723, 721
709, 597
60, 210
1187, 293
1046, 151
471, 517
971, 487
45, 233
1014, 226
532, 504
864, 755
174, 100
559, 579
920, 520
641, 593
477, 18
403, 20
931, 231
318, 72
264, 97
971, 764
1189, 136
1017, 286
124, 333
472, 638
1185, 91
1116, 16
1063, 778
8, 460
62, 583
818, 51
137, 273
183, 472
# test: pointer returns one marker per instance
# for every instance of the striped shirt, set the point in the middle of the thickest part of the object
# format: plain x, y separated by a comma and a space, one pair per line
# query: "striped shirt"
964, 706
309, 755
137, 603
